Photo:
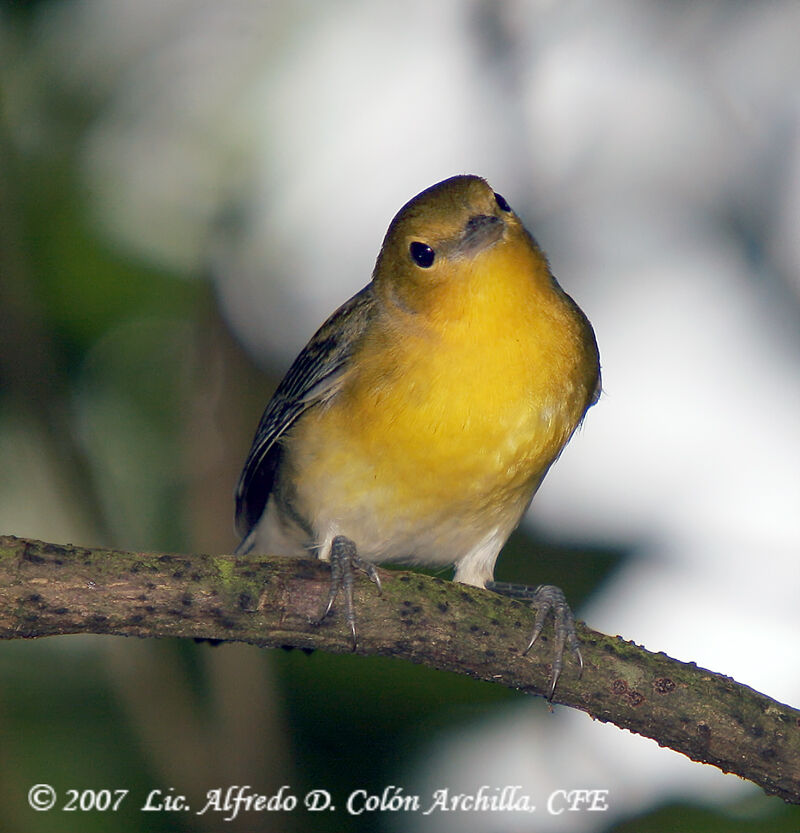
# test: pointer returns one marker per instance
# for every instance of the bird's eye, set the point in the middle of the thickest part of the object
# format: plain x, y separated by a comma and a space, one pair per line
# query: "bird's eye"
501, 202
422, 254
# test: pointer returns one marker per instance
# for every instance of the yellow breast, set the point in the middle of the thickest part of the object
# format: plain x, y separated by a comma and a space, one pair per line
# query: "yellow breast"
459, 408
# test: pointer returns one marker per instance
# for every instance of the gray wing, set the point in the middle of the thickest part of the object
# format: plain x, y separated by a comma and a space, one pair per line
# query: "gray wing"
312, 377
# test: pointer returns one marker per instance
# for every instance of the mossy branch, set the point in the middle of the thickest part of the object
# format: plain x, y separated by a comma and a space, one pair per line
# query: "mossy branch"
47, 589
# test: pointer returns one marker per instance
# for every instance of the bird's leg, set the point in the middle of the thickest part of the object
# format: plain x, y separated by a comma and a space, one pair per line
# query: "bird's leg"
344, 558
546, 599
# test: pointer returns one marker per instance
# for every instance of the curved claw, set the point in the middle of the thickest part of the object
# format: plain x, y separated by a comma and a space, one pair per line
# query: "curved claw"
344, 558
548, 599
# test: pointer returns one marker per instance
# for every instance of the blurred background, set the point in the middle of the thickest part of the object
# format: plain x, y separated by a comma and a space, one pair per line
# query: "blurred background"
189, 187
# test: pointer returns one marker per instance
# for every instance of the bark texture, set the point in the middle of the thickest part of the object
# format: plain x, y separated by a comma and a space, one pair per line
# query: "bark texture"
49, 589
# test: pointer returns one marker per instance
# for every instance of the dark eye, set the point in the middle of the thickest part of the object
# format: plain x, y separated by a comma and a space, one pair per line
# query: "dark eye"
421, 254
501, 201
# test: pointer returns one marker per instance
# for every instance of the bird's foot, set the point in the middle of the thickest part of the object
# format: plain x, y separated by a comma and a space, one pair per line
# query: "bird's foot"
547, 599
344, 559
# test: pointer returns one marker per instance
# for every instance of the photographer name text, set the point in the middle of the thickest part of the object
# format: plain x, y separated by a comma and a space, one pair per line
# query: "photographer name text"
231, 802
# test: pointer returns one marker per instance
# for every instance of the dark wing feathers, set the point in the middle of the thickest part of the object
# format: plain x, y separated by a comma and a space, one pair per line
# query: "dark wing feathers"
312, 377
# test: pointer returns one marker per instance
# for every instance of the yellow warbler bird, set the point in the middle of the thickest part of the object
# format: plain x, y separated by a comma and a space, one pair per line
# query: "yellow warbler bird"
420, 419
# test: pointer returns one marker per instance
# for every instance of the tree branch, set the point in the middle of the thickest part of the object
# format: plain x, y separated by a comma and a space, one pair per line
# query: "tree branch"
47, 589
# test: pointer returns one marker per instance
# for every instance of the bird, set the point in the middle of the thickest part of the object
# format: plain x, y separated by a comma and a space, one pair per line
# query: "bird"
420, 419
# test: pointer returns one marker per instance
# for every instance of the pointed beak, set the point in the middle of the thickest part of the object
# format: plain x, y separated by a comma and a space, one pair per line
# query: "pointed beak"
480, 232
